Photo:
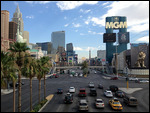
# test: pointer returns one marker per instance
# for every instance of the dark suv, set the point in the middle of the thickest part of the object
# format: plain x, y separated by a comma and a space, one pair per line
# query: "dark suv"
93, 92
129, 100
68, 98
113, 88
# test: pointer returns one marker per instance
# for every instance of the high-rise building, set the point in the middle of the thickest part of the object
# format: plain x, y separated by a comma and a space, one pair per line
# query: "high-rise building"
57, 39
69, 47
101, 54
17, 17
26, 36
46, 46
4, 30
60, 49
12, 30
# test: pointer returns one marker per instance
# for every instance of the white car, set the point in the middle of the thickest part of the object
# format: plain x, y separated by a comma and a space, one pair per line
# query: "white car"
76, 75
108, 93
99, 103
91, 85
81, 75
72, 89
95, 72
71, 75
133, 78
143, 81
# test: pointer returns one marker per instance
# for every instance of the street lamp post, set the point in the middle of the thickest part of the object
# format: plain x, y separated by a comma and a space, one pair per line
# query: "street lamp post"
116, 62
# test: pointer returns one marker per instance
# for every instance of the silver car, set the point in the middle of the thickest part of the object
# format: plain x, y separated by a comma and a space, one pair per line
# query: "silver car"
83, 106
91, 85
108, 93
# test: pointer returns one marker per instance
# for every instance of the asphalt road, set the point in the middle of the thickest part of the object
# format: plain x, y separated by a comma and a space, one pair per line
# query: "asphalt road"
65, 81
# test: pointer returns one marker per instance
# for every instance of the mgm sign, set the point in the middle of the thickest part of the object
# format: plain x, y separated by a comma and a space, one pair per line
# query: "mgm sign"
115, 23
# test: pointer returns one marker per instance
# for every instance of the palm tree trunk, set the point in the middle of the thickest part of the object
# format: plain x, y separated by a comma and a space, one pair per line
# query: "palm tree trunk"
14, 96
19, 91
30, 94
44, 88
39, 90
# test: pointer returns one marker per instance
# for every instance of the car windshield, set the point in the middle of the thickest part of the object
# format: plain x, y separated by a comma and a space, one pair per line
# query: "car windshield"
109, 93
116, 102
68, 97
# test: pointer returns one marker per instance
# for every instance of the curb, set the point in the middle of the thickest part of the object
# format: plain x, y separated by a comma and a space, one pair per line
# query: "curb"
44, 106
49, 98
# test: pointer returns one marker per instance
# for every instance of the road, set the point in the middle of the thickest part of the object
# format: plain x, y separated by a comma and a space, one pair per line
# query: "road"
65, 81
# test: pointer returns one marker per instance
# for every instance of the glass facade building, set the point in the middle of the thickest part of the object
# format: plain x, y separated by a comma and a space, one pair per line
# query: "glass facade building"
57, 39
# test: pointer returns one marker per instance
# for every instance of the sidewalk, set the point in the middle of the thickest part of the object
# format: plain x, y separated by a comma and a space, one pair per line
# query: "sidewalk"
6, 91
130, 90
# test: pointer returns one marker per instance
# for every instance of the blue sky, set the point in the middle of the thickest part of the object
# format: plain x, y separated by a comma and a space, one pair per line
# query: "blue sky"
83, 21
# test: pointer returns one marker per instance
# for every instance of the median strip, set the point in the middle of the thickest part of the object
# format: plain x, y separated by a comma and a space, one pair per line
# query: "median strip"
49, 99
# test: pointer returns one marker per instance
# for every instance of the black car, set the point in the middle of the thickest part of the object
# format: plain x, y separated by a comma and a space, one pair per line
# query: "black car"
93, 92
119, 93
113, 88
100, 86
17, 84
59, 91
68, 98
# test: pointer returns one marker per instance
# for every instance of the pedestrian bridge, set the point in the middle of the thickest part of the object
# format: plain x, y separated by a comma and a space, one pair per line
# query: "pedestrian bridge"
70, 67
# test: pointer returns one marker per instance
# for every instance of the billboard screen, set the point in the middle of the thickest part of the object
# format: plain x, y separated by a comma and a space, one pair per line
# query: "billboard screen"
123, 37
109, 37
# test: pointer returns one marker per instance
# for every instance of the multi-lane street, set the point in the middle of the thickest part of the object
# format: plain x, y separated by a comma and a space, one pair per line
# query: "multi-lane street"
65, 81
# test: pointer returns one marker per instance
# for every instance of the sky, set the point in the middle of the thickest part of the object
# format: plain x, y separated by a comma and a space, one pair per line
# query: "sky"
82, 21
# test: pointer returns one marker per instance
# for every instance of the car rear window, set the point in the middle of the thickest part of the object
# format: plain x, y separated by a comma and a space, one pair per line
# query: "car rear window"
82, 90
134, 100
99, 101
83, 104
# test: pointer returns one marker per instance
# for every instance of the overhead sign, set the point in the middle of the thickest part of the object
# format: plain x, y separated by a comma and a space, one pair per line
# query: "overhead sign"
109, 37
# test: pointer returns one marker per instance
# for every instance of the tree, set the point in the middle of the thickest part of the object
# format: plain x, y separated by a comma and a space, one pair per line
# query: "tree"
18, 49
85, 68
45, 62
29, 71
9, 69
39, 76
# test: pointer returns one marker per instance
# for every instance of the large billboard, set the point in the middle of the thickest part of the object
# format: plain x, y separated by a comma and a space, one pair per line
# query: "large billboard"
123, 37
109, 37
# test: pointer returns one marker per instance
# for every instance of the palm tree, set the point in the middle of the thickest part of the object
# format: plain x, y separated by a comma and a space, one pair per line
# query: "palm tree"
45, 61
19, 49
85, 67
29, 71
8, 61
39, 76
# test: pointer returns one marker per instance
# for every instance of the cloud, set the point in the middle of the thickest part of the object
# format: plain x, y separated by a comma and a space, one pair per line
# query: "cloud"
30, 17
84, 11
139, 28
68, 5
66, 25
38, 2
16, 3
143, 39
94, 33
76, 25
82, 34
77, 48
137, 13
91, 48
65, 17
105, 3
